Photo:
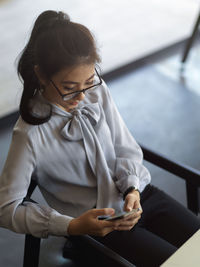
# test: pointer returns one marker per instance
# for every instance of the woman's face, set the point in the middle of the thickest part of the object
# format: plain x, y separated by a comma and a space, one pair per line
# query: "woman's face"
67, 81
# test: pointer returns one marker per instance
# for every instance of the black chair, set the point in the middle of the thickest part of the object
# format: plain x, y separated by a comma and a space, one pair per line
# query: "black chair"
80, 248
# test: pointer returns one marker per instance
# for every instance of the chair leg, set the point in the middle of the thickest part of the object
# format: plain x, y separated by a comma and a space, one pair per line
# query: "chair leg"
191, 40
31, 251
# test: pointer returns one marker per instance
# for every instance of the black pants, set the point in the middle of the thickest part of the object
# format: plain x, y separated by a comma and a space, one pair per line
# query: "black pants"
164, 226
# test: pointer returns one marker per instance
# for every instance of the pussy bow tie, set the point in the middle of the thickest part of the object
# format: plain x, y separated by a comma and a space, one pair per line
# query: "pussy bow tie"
81, 126
74, 128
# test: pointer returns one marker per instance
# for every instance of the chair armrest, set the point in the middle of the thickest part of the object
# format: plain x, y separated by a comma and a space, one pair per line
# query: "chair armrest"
189, 174
103, 255
182, 170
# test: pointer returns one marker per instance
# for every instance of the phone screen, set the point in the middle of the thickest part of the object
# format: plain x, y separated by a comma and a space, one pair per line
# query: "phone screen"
120, 215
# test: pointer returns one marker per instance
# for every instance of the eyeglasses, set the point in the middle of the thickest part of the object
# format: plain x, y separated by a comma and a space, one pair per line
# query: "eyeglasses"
71, 95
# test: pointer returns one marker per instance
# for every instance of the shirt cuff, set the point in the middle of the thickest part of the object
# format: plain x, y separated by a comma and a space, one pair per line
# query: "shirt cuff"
58, 224
124, 183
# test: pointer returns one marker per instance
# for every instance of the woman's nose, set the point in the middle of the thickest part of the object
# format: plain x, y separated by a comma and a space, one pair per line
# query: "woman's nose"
80, 96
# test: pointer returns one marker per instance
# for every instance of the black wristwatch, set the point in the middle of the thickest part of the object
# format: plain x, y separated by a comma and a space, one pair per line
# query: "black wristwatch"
131, 188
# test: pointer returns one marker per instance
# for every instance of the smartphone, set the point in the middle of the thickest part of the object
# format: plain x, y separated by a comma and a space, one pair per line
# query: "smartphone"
119, 215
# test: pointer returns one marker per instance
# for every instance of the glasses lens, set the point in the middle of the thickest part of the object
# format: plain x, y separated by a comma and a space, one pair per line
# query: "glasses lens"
90, 90
86, 91
68, 97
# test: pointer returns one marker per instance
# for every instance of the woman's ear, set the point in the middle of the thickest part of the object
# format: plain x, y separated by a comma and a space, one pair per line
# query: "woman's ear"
39, 75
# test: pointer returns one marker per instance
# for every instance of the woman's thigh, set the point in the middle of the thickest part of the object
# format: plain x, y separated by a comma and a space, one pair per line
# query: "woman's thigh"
139, 246
164, 226
166, 217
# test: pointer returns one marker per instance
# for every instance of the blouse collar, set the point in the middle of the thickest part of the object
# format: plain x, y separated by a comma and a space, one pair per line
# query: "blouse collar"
40, 102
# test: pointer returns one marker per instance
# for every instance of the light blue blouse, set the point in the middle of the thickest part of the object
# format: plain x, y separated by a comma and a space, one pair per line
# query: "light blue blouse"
80, 159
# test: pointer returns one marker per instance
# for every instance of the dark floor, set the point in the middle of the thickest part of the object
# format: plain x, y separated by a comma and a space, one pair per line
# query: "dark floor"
161, 113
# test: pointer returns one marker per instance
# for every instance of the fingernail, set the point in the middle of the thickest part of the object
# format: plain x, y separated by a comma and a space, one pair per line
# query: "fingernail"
112, 210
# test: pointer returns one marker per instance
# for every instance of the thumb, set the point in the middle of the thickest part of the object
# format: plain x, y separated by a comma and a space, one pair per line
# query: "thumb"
105, 211
128, 205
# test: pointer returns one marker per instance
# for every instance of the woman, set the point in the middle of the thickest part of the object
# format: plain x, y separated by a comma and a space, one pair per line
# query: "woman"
72, 140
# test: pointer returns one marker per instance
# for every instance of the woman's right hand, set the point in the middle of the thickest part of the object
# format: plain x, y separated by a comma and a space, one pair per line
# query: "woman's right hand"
88, 223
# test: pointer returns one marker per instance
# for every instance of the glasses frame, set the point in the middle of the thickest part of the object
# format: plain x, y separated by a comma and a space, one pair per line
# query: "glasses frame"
79, 91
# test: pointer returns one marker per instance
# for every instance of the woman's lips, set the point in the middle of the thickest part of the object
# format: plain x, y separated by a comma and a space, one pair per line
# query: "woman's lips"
74, 103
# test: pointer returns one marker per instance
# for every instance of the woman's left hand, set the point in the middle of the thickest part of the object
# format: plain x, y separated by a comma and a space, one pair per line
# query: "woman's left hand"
132, 201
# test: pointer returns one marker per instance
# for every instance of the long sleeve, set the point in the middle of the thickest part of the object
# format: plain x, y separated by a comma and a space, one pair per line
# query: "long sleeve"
26, 217
129, 168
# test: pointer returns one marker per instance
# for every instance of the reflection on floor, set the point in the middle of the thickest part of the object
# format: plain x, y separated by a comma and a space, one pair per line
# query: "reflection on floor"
161, 112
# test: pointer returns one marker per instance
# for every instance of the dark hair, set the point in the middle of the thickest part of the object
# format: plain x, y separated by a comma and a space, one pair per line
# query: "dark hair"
55, 43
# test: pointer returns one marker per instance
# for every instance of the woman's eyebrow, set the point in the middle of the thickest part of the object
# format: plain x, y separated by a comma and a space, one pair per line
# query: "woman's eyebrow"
77, 82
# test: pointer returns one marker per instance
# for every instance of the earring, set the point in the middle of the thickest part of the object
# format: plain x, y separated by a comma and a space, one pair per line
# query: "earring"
35, 91
42, 88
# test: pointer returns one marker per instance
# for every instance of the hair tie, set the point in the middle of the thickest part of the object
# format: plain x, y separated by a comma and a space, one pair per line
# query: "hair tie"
63, 17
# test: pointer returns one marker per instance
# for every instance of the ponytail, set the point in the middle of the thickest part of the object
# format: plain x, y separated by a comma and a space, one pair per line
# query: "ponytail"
55, 43
27, 73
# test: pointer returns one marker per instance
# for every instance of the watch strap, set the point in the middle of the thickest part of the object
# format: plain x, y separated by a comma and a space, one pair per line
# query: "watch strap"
131, 188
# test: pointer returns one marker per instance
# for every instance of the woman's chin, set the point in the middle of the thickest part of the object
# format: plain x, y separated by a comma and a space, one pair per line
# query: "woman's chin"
71, 107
